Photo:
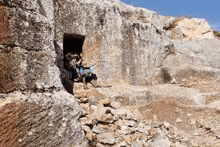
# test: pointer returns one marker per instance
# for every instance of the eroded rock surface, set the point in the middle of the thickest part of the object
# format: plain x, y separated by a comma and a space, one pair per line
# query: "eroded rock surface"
40, 119
189, 28
125, 46
35, 110
122, 43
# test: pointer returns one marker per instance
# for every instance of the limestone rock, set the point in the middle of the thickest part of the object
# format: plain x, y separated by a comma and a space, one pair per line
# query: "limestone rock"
98, 130
40, 119
128, 123
125, 46
192, 121
120, 112
85, 109
104, 102
162, 143
167, 125
115, 104
218, 135
106, 138
40, 55
86, 121
122, 144
100, 145
196, 134
195, 28
89, 134
92, 101
103, 114
137, 143
128, 139
179, 120
84, 100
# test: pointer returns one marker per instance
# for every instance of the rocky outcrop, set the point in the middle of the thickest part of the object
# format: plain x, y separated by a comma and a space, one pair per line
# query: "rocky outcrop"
186, 28
194, 52
130, 45
35, 110
28, 54
123, 44
40, 119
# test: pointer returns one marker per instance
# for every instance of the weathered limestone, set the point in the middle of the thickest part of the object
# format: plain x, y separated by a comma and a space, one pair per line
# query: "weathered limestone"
162, 123
28, 54
36, 111
123, 42
40, 119
186, 28
124, 45
127, 44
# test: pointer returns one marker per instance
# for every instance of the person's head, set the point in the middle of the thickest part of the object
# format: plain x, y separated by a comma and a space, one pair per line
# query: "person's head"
75, 56
68, 56
84, 64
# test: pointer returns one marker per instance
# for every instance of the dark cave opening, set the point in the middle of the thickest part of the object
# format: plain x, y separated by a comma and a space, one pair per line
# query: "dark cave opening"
72, 43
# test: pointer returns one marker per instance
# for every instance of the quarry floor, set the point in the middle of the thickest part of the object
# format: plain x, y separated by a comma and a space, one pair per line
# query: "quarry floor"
162, 115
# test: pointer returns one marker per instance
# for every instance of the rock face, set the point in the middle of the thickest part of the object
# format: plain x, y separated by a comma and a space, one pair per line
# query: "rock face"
40, 119
186, 28
27, 51
34, 108
116, 42
123, 45
129, 45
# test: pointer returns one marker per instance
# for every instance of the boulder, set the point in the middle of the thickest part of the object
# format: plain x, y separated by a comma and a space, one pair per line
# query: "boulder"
40, 119
195, 28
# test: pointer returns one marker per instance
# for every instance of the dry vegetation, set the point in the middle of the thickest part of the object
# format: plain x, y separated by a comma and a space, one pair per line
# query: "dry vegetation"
216, 34
174, 23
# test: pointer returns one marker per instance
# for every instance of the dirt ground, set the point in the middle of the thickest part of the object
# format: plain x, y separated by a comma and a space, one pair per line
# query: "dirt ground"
170, 110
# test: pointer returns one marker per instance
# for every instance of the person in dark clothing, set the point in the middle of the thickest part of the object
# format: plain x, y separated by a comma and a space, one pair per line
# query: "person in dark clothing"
78, 70
70, 66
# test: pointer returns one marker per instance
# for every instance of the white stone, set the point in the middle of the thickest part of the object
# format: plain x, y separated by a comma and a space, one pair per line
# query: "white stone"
179, 120
106, 138
115, 104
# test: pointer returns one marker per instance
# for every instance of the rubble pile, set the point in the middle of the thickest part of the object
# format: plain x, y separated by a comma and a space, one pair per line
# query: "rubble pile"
108, 122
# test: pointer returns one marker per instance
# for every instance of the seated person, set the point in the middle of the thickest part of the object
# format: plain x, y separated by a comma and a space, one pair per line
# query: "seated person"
86, 74
72, 60
73, 63
70, 65
78, 65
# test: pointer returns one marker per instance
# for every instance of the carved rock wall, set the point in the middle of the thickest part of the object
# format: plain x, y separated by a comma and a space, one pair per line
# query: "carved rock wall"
125, 44
34, 108
27, 52
131, 45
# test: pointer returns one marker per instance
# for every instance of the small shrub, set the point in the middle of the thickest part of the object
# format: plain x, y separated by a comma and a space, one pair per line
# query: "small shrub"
165, 75
216, 34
